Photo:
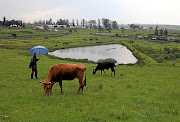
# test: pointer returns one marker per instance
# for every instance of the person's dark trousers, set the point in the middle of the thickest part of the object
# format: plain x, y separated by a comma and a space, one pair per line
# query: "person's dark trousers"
33, 74
36, 74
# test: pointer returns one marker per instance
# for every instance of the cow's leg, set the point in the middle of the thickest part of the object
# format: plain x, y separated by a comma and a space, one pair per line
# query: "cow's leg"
80, 84
36, 74
60, 84
82, 88
101, 72
104, 72
112, 70
52, 83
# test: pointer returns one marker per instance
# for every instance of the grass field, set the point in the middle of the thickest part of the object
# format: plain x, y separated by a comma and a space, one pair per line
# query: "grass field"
148, 92
5, 32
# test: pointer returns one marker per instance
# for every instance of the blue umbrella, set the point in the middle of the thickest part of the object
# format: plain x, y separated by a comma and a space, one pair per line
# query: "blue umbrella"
39, 50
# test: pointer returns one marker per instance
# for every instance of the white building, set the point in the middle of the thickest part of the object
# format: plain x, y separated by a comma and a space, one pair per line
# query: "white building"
56, 26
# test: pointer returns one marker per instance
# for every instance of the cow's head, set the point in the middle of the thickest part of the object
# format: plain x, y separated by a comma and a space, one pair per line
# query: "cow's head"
47, 87
94, 71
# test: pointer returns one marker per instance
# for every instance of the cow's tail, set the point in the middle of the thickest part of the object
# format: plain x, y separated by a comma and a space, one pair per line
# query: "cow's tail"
85, 79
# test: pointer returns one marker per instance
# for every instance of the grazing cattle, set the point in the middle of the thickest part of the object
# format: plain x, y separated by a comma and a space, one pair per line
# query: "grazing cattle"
61, 72
105, 65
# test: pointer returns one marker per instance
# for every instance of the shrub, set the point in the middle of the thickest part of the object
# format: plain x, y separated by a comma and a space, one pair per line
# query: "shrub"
107, 60
70, 31
158, 54
160, 59
177, 54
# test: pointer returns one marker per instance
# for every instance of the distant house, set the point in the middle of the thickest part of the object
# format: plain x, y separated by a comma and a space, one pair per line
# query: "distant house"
38, 27
56, 30
72, 26
56, 26
153, 38
13, 25
145, 28
80, 26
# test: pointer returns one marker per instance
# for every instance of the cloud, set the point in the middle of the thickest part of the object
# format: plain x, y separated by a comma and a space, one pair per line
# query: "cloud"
39, 14
65, 12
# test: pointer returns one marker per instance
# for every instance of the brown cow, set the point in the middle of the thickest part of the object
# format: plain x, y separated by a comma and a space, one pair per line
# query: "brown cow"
59, 72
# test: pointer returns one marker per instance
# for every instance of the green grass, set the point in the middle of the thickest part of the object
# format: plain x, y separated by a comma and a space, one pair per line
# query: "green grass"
5, 32
147, 93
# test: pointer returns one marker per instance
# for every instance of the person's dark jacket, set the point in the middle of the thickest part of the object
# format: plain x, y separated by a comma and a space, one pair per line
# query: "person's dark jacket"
32, 63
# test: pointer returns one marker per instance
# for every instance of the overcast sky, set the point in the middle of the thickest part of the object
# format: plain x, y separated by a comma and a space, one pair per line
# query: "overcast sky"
122, 11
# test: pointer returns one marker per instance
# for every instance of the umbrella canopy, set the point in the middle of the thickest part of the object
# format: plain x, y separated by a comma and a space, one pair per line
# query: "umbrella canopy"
39, 50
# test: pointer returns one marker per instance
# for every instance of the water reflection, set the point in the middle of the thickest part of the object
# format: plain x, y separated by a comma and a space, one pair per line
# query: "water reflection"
94, 53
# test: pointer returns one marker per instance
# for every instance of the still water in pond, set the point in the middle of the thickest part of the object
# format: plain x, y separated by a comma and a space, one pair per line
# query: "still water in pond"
94, 53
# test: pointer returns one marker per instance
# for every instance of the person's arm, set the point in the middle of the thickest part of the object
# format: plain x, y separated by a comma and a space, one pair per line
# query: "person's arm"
36, 59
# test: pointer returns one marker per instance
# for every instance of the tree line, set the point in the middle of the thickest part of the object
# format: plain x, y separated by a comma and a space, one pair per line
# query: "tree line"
11, 23
100, 24
94, 24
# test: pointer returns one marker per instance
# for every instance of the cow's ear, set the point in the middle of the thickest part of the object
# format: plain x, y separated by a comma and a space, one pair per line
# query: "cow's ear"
41, 81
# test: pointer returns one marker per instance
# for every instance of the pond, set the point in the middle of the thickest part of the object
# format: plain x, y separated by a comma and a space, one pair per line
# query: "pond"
94, 53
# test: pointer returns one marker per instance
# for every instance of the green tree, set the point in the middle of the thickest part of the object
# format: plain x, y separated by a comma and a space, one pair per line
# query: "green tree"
156, 32
106, 23
165, 32
122, 29
77, 22
73, 23
109, 29
100, 29
83, 22
4, 21
161, 32
150, 28
114, 25
132, 26
92, 24
99, 22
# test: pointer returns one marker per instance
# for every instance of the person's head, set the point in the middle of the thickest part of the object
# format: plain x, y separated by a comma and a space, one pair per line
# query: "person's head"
34, 54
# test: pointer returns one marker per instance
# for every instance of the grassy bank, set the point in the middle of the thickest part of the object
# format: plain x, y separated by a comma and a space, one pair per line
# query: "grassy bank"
137, 93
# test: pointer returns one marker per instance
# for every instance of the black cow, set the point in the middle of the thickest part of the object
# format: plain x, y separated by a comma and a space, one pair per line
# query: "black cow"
105, 65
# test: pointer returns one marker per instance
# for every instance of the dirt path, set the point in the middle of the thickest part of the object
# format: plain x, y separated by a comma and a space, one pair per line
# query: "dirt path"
31, 36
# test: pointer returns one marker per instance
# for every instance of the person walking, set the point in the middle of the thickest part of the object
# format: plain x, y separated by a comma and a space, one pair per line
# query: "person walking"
33, 65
